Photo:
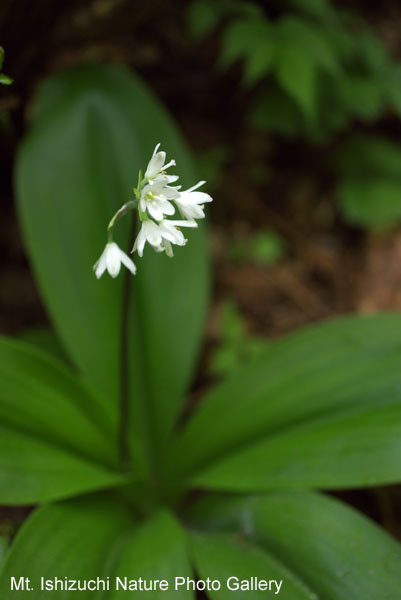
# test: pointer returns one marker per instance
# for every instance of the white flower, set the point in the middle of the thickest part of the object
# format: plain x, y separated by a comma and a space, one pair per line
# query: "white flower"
161, 235
111, 259
155, 199
191, 203
156, 164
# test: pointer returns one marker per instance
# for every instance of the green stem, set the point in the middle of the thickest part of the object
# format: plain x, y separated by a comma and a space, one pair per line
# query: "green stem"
124, 413
131, 205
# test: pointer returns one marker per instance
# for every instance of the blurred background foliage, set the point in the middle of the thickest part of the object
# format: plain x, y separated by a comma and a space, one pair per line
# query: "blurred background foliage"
293, 111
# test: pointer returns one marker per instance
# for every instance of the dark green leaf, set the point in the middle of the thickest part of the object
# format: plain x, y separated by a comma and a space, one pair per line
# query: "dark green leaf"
44, 339
274, 110
313, 41
372, 203
358, 449
369, 189
157, 550
78, 539
361, 95
297, 75
96, 537
202, 18
57, 439
338, 552
363, 156
251, 40
95, 127
234, 563
324, 385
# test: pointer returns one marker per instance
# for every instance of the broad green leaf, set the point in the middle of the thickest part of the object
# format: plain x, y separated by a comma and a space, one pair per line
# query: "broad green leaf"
45, 339
78, 539
236, 564
95, 127
156, 550
358, 449
96, 537
332, 370
338, 552
56, 438
3, 548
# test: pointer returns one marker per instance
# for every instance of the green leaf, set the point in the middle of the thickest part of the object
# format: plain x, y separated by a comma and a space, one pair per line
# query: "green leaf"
44, 339
320, 9
202, 18
276, 111
96, 537
157, 550
233, 563
361, 95
78, 539
312, 38
372, 203
297, 75
57, 439
323, 388
338, 552
363, 156
370, 182
5, 79
358, 449
95, 127
3, 548
251, 40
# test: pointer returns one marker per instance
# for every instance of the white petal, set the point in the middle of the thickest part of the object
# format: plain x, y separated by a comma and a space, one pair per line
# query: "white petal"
127, 262
194, 198
180, 223
113, 261
155, 165
100, 266
167, 247
139, 243
191, 212
167, 208
155, 211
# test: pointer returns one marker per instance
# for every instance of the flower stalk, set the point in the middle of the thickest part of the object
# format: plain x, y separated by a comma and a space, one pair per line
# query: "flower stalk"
156, 199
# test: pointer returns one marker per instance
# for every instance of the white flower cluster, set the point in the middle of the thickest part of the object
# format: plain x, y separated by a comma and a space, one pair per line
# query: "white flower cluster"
156, 200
